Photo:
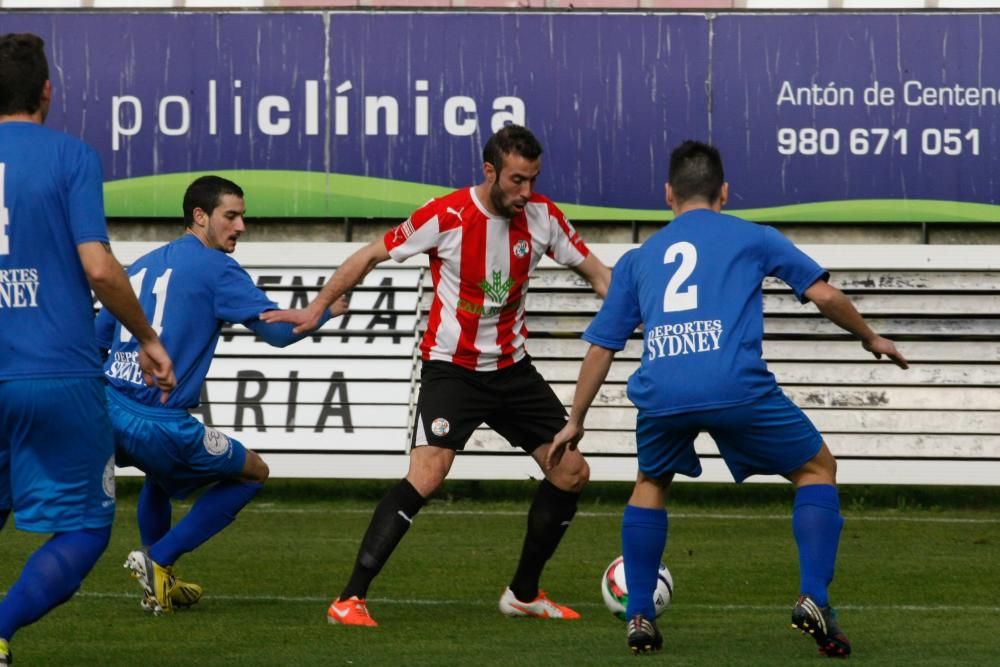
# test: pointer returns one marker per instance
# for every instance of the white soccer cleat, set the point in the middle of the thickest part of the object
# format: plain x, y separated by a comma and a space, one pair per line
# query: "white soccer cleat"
540, 607
154, 579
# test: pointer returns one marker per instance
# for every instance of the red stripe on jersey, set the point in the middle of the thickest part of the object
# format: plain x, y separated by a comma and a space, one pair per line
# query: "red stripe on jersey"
400, 233
568, 229
519, 248
434, 316
472, 272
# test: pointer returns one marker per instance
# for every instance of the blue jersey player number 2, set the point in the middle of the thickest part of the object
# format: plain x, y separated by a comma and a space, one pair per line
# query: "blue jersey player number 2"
695, 289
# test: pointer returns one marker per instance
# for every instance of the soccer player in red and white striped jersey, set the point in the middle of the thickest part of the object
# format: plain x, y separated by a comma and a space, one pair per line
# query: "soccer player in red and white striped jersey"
483, 243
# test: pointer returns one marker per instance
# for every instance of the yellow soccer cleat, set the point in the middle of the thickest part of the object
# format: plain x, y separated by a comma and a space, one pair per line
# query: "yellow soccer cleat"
184, 593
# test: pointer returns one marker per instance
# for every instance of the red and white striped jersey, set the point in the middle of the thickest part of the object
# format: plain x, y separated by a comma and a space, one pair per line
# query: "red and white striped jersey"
480, 264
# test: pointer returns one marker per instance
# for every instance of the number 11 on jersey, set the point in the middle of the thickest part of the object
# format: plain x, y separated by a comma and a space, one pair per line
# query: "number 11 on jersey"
159, 293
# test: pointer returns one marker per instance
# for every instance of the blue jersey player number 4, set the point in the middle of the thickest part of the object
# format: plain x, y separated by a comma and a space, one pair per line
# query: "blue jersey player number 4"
56, 452
4, 217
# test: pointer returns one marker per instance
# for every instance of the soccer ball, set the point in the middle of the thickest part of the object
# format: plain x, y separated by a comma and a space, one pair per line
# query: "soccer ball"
615, 592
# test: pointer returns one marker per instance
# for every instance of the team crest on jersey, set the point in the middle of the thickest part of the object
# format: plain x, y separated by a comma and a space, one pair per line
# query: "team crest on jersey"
216, 442
108, 481
440, 427
520, 249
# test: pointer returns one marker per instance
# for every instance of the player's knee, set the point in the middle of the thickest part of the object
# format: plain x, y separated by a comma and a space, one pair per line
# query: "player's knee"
426, 480
820, 469
826, 463
263, 472
429, 466
575, 476
255, 469
581, 478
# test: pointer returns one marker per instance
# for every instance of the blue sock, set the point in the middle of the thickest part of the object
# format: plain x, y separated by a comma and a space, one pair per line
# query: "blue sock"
153, 513
644, 537
50, 577
213, 511
816, 524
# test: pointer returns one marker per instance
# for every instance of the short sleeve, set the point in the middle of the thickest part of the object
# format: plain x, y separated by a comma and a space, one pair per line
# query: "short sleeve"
782, 259
619, 314
237, 299
418, 233
86, 197
567, 248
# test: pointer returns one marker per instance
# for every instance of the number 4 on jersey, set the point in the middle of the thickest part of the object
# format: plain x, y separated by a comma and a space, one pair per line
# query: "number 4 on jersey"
4, 217
674, 299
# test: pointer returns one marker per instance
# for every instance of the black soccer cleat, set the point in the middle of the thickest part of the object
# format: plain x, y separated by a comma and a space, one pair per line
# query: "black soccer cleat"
643, 635
820, 623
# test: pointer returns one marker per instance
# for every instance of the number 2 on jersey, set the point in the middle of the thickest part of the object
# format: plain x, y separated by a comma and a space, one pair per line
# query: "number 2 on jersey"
675, 300
159, 291
4, 217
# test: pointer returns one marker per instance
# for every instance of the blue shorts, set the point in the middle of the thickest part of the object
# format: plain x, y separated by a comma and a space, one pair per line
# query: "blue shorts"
56, 454
769, 436
176, 451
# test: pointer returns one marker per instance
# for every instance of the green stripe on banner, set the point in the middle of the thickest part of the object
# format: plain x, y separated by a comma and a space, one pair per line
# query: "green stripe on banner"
290, 194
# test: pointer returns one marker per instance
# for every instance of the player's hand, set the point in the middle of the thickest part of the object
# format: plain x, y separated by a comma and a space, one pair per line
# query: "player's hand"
304, 319
339, 306
879, 346
566, 439
157, 368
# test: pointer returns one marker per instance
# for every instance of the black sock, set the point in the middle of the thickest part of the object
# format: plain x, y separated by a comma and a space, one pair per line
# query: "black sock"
549, 517
389, 523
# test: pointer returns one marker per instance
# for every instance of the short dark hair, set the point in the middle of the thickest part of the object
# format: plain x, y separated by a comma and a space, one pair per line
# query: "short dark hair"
205, 193
696, 172
511, 139
23, 73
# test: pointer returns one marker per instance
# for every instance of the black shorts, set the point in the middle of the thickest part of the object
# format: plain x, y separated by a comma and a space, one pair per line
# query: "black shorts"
516, 402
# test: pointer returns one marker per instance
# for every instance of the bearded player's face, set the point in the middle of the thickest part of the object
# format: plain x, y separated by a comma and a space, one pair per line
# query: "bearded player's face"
512, 187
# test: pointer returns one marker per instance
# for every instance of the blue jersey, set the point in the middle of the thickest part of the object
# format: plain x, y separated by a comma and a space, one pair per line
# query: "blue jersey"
51, 200
695, 286
187, 291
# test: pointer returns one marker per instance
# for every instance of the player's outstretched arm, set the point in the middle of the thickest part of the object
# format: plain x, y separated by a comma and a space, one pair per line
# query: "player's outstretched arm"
350, 273
593, 371
281, 334
110, 283
596, 273
837, 308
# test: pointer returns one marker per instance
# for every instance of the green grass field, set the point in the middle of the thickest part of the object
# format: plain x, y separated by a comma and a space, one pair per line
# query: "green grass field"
918, 583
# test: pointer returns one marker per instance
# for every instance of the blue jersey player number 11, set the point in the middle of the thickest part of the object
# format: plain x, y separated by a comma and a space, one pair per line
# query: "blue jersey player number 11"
159, 292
